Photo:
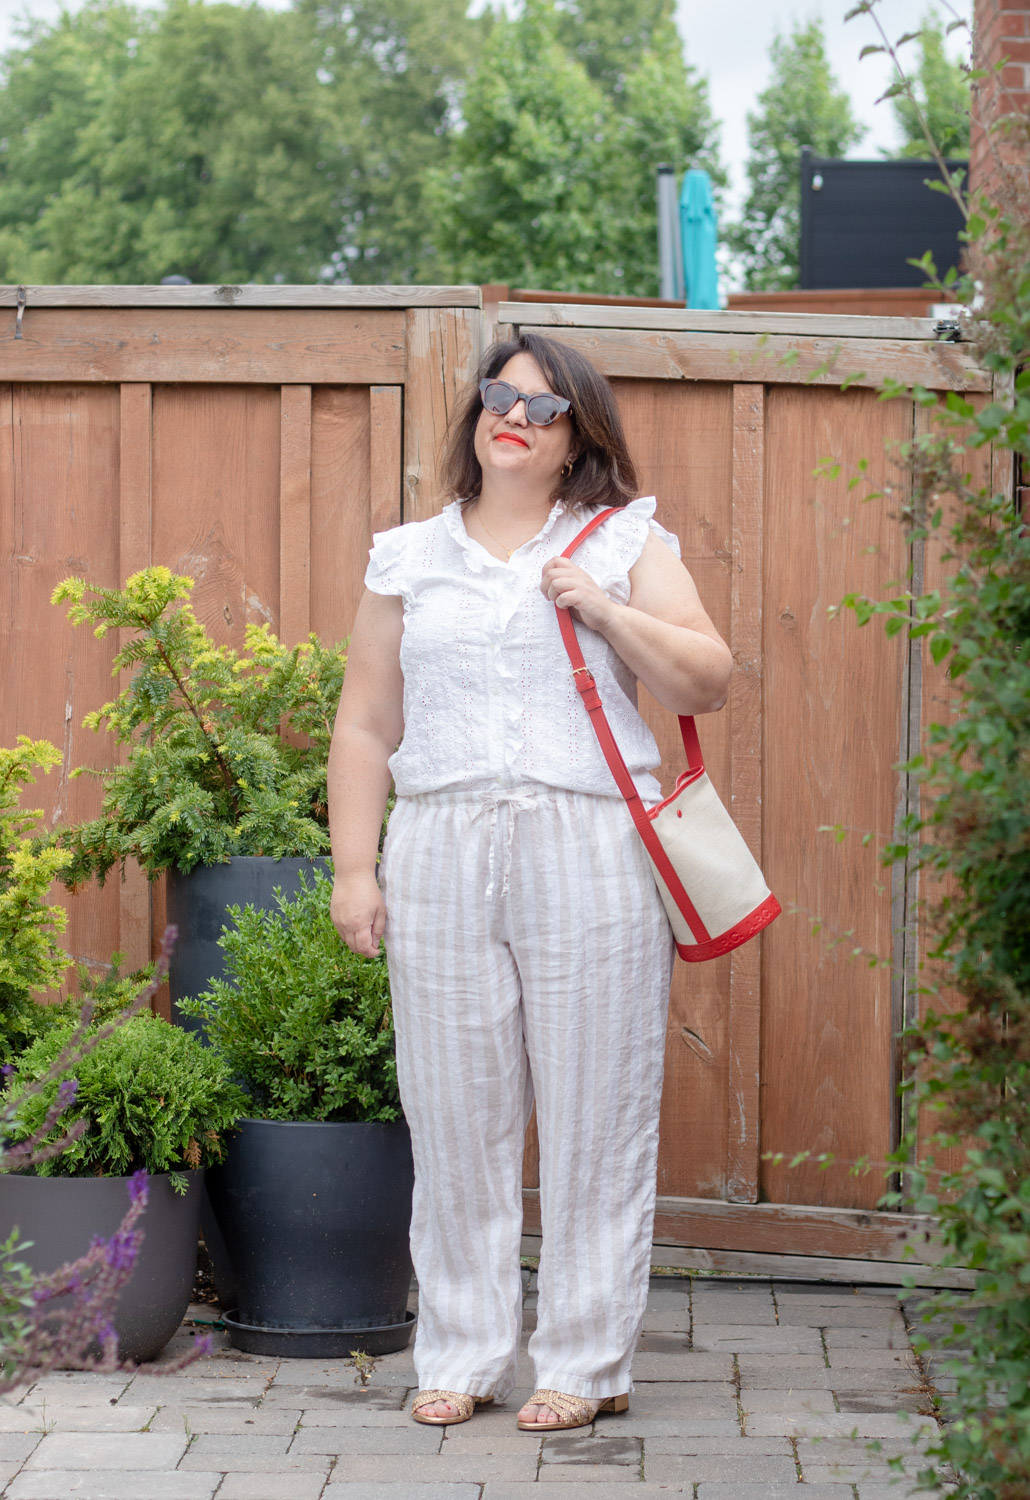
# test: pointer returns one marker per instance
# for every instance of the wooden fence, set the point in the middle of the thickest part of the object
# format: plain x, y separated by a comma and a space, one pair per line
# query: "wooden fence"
255, 437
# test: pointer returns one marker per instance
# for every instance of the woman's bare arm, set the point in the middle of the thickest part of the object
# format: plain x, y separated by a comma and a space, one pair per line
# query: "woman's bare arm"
663, 634
369, 725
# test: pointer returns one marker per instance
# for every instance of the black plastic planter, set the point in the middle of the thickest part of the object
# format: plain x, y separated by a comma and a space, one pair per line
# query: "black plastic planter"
314, 1219
61, 1216
197, 904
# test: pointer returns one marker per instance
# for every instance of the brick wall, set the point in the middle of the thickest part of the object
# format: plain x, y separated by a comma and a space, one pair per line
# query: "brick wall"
1001, 29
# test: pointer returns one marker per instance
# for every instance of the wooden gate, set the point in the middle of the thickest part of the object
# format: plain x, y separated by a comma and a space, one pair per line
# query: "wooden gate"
255, 437
789, 1044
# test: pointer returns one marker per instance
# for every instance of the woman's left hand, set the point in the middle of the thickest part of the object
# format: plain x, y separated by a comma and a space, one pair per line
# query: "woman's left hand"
571, 588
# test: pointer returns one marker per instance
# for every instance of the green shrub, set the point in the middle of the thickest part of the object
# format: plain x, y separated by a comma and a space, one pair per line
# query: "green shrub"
304, 1024
152, 1096
31, 958
228, 751
972, 1068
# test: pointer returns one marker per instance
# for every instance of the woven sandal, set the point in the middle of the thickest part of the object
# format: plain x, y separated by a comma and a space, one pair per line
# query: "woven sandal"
465, 1406
574, 1411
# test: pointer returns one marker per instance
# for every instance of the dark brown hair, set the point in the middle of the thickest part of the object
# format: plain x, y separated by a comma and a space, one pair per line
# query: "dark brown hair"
602, 472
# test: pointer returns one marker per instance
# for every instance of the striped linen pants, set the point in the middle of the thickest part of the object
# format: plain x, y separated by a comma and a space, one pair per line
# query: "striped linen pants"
529, 957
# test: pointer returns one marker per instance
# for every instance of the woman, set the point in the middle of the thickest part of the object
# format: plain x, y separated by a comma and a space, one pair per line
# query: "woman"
528, 950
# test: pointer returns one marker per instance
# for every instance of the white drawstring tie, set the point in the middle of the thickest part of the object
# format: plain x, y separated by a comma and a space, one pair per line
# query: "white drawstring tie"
516, 799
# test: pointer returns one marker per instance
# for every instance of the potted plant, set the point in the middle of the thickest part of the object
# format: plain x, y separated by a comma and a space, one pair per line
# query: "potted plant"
224, 781
115, 1099
313, 1201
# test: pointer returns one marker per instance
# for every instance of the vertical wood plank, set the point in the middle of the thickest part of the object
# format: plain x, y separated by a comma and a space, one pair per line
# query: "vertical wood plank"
134, 472
59, 498
442, 356
294, 513
216, 488
8, 535
341, 487
385, 456
745, 708
831, 731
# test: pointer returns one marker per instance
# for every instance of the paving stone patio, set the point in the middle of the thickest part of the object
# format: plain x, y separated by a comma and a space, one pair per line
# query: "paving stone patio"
745, 1390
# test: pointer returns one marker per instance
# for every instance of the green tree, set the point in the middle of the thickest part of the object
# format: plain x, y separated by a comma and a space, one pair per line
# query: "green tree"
56, 79
803, 105
550, 181
517, 199
199, 141
941, 88
393, 71
609, 37
226, 142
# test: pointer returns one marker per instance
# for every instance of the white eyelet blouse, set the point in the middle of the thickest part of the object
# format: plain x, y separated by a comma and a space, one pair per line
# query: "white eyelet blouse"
489, 698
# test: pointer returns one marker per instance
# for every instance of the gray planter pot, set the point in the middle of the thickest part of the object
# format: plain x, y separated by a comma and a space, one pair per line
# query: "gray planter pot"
197, 905
61, 1216
314, 1220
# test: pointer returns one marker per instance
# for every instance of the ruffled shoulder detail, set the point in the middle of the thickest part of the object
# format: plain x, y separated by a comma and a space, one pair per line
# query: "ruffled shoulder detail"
614, 547
388, 570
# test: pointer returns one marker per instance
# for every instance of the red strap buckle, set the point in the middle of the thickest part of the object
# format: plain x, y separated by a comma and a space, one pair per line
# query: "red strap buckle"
586, 687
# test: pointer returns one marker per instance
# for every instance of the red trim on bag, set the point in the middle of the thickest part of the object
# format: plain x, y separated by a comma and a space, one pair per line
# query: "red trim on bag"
749, 927
684, 779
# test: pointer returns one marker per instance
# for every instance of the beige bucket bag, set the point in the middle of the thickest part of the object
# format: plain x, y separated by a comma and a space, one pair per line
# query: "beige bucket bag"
707, 877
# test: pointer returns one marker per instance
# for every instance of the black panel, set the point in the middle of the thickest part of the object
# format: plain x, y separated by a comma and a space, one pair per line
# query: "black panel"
859, 227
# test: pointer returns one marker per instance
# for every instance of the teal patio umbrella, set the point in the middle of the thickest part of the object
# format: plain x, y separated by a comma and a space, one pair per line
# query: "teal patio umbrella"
700, 235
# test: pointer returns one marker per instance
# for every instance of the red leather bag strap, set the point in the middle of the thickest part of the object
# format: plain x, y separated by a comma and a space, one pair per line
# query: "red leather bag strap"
688, 729
587, 688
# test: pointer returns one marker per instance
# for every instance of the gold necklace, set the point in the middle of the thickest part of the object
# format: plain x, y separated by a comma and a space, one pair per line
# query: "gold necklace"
509, 551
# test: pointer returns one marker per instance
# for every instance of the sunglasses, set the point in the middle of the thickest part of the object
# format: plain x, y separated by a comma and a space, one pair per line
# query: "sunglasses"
499, 397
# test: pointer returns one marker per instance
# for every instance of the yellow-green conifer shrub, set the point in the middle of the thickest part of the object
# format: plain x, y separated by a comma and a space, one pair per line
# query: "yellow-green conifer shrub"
226, 750
31, 957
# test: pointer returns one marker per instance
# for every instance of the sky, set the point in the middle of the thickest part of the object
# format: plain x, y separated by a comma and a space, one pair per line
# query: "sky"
736, 62
729, 43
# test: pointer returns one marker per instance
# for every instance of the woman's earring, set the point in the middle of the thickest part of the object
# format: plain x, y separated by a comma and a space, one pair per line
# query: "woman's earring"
566, 469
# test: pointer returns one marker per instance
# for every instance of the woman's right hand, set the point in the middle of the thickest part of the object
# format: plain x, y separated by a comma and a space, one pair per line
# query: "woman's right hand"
359, 913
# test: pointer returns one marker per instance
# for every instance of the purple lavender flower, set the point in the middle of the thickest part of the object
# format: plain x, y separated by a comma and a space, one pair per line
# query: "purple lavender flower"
121, 1249
139, 1187
66, 1092
7, 1070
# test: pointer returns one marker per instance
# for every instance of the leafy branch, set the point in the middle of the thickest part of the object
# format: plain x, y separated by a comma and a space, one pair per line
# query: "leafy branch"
902, 84
227, 751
